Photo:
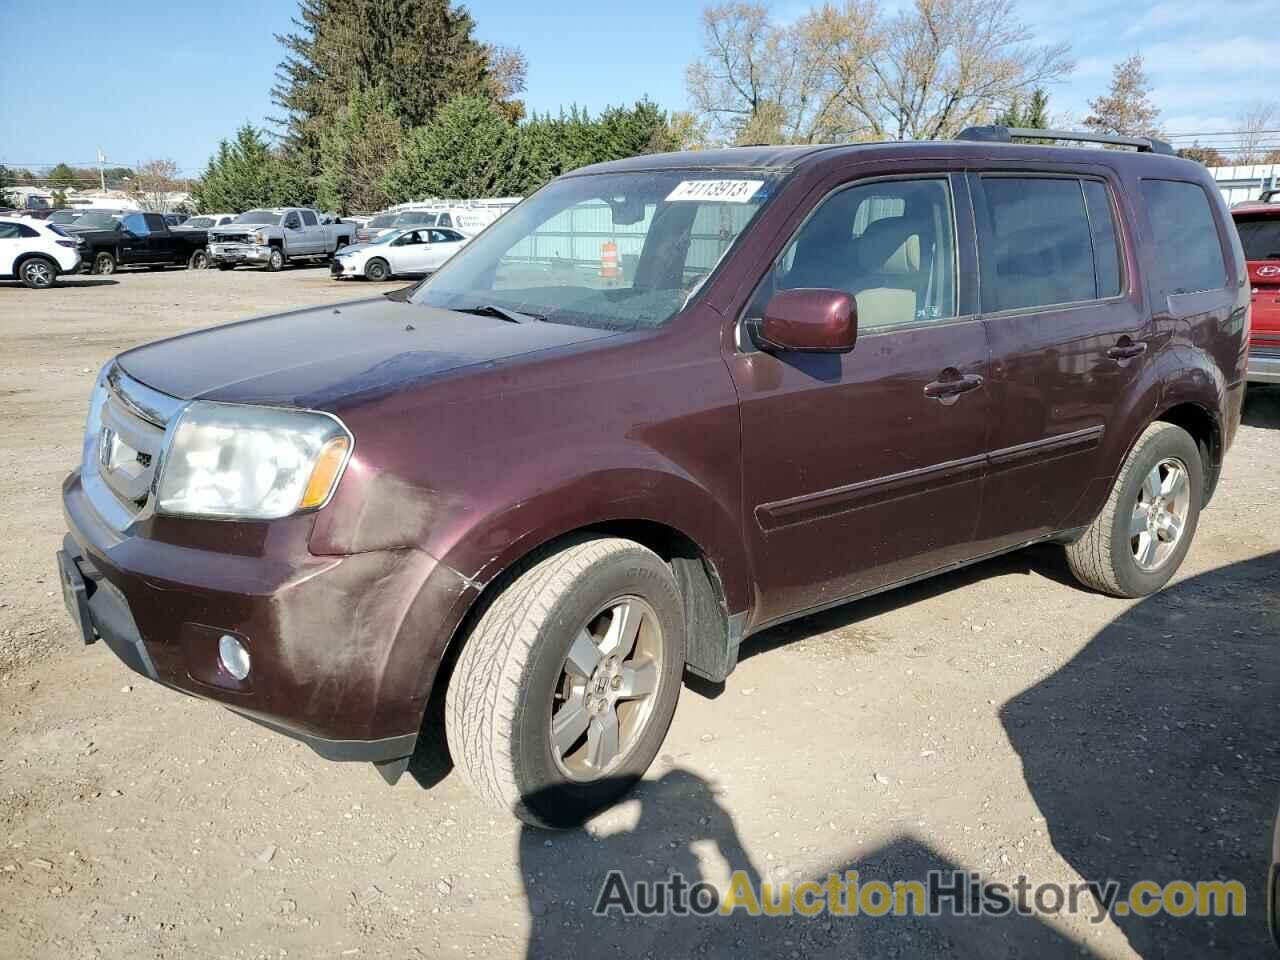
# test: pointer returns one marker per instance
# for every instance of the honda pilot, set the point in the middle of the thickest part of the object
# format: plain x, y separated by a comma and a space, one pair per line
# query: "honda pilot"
541, 487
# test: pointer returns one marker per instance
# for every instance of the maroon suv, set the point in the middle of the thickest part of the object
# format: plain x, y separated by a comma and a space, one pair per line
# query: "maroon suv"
663, 404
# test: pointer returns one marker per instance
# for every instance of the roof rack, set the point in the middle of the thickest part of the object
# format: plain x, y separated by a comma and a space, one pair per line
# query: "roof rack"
1009, 134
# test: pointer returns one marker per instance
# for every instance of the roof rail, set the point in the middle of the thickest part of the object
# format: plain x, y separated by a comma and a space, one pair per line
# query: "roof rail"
1009, 134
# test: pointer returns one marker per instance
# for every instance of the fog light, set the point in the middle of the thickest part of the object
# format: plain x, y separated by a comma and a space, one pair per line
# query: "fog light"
234, 657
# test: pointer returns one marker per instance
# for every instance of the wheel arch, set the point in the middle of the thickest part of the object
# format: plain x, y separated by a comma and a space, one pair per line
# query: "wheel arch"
22, 258
1205, 428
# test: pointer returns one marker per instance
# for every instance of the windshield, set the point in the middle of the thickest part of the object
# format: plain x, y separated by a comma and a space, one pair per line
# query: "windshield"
620, 251
1261, 237
96, 221
63, 216
258, 216
380, 221
415, 218
200, 222
389, 236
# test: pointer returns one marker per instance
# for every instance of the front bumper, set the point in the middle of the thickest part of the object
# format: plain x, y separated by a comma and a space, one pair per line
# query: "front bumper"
343, 651
1264, 367
238, 252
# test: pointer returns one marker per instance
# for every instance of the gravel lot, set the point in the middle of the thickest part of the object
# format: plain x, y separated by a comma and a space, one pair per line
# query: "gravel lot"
998, 720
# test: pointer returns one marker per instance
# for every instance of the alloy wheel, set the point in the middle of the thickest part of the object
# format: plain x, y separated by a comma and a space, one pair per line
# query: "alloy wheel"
606, 690
1160, 514
38, 274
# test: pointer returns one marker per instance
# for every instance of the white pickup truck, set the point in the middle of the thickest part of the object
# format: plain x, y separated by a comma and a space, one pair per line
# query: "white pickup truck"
272, 238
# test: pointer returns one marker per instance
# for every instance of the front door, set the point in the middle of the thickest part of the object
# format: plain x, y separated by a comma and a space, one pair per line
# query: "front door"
410, 253
1068, 334
864, 469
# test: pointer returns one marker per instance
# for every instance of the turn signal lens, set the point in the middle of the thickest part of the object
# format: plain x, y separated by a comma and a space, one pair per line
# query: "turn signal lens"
325, 472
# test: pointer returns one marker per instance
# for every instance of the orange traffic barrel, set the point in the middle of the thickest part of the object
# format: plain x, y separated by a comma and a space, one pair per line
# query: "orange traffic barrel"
609, 261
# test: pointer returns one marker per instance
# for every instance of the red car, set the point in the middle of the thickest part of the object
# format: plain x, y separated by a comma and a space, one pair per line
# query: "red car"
1259, 226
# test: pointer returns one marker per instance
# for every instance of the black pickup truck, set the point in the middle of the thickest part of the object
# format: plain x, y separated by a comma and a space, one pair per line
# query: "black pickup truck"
138, 238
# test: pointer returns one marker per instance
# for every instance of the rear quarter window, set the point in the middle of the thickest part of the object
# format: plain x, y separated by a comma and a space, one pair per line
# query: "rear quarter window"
1188, 252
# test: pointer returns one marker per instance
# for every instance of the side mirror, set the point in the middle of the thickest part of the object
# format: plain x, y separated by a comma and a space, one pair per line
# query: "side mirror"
810, 320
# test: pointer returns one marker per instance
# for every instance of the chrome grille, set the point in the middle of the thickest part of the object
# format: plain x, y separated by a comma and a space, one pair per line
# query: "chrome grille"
231, 238
124, 446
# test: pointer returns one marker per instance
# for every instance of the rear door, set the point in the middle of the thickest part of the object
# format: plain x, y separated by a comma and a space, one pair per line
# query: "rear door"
162, 246
317, 234
1260, 235
1068, 332
864, 469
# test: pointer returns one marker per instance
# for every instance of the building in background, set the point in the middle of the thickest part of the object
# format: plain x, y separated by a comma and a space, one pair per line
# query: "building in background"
1241, 184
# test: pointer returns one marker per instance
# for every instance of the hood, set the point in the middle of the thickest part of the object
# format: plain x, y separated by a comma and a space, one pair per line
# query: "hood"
324, 357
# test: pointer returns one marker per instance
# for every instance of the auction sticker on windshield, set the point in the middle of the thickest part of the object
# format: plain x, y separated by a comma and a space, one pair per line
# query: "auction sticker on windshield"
723, 191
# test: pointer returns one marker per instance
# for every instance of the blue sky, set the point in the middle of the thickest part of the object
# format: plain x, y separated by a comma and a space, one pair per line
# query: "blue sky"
166, 79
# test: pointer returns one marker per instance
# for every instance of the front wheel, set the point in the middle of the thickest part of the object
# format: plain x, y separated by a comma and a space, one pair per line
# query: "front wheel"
1143, 533
199, 260
377, 269
39, 273
568, 680
275, 260
104, 264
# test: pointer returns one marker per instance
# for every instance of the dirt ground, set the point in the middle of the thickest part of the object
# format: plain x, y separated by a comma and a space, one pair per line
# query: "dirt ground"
1000, 720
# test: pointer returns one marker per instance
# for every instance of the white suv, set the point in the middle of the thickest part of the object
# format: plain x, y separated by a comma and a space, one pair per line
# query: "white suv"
35, 253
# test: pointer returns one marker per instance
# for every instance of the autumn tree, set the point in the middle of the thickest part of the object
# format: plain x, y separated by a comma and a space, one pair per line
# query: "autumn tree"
857, 72
1209, 156
1254, 127
1126, 110
152, 184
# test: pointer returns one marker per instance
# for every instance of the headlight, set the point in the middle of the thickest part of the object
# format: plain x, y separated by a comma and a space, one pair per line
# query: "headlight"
259, 238
244, 462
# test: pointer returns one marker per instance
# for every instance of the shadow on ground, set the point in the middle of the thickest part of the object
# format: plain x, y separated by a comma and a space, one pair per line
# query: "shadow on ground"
1153, 753
683, 827
1262, 406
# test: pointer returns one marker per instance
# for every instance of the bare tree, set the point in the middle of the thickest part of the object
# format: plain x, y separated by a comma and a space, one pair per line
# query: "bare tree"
1126, 110
152, 184
854, 72
1253, 126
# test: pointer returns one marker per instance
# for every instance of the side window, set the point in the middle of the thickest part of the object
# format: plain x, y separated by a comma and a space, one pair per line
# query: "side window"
1188, 252
1039, 251
28, 232
136, 224
155, 221
891, 245
1106, 238
308, 218
291, 222
8, 231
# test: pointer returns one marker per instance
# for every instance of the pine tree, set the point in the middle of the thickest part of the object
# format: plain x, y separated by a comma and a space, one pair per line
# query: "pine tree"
468, 150
1127, 110
420, 53
357, 150
243, 174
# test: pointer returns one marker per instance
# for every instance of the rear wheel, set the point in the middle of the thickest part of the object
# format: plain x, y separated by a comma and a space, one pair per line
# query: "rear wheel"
104, 264
568, 680
275, 260
377, 269
1143, 533
199, 260
38, 273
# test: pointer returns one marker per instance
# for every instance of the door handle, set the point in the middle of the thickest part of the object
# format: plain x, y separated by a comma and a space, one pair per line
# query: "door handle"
948, 390
1127, 350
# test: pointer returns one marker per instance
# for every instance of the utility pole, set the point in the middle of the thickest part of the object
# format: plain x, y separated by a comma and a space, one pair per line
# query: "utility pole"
102, 172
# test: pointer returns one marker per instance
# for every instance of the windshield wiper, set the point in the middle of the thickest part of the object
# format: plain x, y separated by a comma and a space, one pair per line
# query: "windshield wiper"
502, 313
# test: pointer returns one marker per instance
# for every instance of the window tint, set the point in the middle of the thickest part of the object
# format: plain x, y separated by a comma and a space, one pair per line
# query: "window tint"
8, 231
1106, 241
1260, 236
1040, 249
1188, 252
155, 221
28, 232
308, 218
890, 245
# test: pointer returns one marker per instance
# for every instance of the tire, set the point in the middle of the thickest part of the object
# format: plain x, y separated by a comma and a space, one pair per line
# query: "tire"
377, 269
104, 263
1107, 557
38, 273
275, 260
514, 674
199, 260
